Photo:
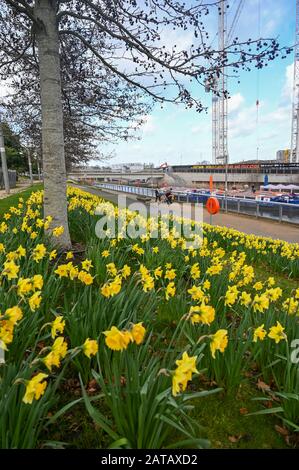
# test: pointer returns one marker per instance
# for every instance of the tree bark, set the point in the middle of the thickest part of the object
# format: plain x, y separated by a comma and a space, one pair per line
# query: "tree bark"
55, 199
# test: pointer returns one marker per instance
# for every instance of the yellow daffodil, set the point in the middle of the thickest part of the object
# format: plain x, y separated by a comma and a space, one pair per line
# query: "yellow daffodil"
6, 333
126, 271
58, 231
105, 290
231, 295
87, 264
35, 388
60, 347
111, 269
158, 272
170, 274
259, 333
138, 331
214, 269
204, 314
14, 314
37, 281
196, 293
245, 299
62, 270
117, 340
219, 342
260, 303
258, 285
90, 347
271, 281
290, 306
170, 290
39, 252
183, 373
57, 326
53, 254
277, 333
195, 271
85, 278
24, 286
21, 252
35, 300
10, 270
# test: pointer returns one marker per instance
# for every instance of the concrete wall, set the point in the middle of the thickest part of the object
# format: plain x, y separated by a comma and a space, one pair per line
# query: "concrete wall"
238, 179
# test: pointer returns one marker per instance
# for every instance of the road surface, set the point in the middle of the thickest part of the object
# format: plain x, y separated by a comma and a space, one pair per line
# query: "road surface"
249, 225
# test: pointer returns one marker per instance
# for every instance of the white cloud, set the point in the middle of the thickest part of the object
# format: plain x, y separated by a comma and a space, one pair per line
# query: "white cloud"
273, 14
235, 102
243, 123
277, 122
234, 105
149, 125
196, 129
136, 147
281, 114
202, 128
182, 39
287, 92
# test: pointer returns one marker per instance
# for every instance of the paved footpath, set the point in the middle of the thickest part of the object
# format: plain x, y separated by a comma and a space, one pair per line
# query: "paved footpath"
263, 227
250, 225
21, 186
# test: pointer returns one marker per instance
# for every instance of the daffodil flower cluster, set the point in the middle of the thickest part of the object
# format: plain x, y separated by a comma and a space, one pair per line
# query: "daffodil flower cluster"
183, 373
118, 340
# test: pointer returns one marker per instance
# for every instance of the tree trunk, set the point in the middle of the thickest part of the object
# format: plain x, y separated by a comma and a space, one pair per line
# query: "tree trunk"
55, 199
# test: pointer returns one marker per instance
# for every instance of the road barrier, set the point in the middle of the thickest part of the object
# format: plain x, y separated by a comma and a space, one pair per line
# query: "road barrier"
282, 212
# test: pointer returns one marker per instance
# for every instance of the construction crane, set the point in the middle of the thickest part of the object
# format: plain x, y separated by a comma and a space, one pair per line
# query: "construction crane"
219, 98
294, 154
222, 157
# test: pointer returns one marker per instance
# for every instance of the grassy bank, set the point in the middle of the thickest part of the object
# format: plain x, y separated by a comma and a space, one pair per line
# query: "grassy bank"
144, 343
13, 199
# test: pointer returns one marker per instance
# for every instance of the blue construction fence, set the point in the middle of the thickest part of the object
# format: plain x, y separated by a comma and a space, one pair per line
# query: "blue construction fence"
281, 212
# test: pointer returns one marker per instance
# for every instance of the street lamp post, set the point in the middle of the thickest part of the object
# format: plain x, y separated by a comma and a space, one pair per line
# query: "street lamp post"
226, 182
38, 168
30, 166
3, 160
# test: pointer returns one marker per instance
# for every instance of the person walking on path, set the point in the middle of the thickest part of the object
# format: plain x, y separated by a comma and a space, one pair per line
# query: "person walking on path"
158, 195
168, 196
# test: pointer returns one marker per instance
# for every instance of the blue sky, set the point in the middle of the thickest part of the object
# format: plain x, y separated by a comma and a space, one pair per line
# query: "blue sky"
175, 135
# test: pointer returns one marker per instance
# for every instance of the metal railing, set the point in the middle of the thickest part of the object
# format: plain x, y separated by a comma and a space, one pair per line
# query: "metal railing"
140, 191
282, 212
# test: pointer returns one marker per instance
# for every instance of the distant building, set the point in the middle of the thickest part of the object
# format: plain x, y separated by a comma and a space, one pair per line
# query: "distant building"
283, 156
253, 162
118, 167
133, 166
